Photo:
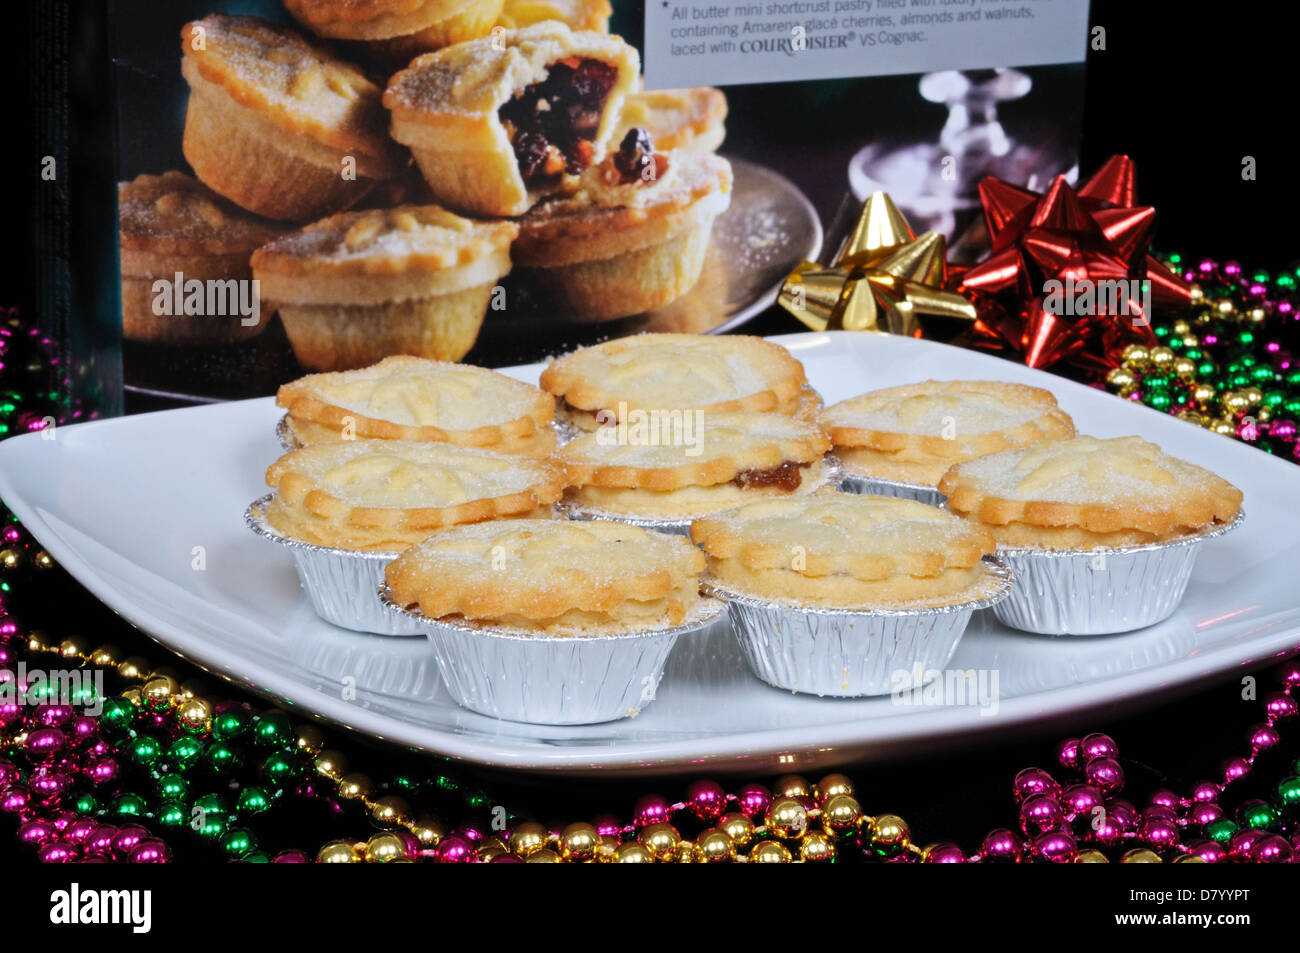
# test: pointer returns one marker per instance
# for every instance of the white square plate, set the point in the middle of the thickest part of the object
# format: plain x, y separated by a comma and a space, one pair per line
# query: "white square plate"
129, 506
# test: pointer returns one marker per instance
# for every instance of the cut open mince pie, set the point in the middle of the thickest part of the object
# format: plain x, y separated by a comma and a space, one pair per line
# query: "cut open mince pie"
914, 433
499, 122
410, 398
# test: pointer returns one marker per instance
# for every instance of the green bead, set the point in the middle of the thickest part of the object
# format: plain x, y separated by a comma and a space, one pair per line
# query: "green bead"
273, 728
1220, 831
1174, 344
209, 815
1174, 259
256, 857
221, 757
173, 814
1257, 815
1247, 338
1293, 378
252, 800
117, 715
1292, 405
85, 804
406, 783
1288, 794
1260, 277
1157, 382
1286, 281
280, 770
1157, 401
184, 752
445, 783
1193, 354
1263, 374
172, 787
237, 842
129, 804
144, 749
231, 723
1162, 331
84, 697
1239, 380
1274, 397
1206, 370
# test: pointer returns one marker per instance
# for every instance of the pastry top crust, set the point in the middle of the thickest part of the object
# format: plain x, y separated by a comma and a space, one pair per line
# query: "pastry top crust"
868, 538
947, 419
176, 213
387, 242
371, 493
413, 398
298, 86
575, 14
1102, 486
677, 371
673, 117
478, 77
327, 14
603, 204
691, 450
542, 569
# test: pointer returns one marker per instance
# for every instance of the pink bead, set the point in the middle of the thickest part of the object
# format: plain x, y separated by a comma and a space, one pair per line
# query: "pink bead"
1103, 829
127, 837
454, 850
62, 819
706, 800
8, 773
1242, 842
150, 851
11, 713
1289, 674
1097, 745
1159, 811
290, 857
1262, 737
1040, 813
1080, 800
1158, 832
1034, 781
1273, 849
1124, 814
57, 852
1206, 791
102, 771
1234, 769
80, 829
1105, 774
945, 854
99, 840
505, 859
607, 825
1164, 797
1204, 812
54, 716
1279, 706
651, 809
47, 784
1067, 753
1208, 850
753, 800
469, 832
37, 832
83, 729
1002, 845
1055, 846
1283, 430
14, 799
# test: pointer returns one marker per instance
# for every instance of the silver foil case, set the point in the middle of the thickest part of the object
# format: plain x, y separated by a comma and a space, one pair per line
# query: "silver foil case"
849, 653
284, 433
552, 680
1100, 591
872, 486
341, 583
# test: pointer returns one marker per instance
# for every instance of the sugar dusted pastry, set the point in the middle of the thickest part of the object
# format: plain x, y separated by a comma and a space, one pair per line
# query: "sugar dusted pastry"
1089, 493
278, 125
551, 577
633, 237
172, 225
393, 29
682, 466
575, 14
691, 119
914, 433
384, 495
360, 286
410, 398
499, 122
665, 372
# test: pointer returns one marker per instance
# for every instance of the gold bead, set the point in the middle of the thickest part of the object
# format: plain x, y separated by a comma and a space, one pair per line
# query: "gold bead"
1235, 402
332, 764
1192, 417
1122, 380
391, 811
1185, 368
194, 714
738, 827
1091, 857
1189, 859
492, 841
661, 840
38, 641
1225, 428
770, 852
354, 787
527, 838
134, 669
385, 847
106, 656
1181, 327
74, 648
429, 831
1161, 357
1191, 340
840, 815
791, 785
489, 854
786, 818
543, 856
1203, 317
833, 785
158, 691
685, 853
1225, 307
339, 852
1264, 414
608, 849
1253, 394
43, 560
131, 696
816, 848
191, 688
1141, 855
10, 559
1255, 316
579, 842
632, 853
1197, 294
890, 833
1203, 393
309, 739
715, 846
1136, 356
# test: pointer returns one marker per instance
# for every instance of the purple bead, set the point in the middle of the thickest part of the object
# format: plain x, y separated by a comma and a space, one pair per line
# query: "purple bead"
1206, 791
83, 730
290, 857
14, 799
1262, 737
62, 819
1289, 674
1158, 832
945, 854
150, 851
127, 837
607, 825
1163, 797
1234, 769
753, 800
11, 713
1097, 745
1273, 849
57, 852
8, 773
1080, 799
706, 800
1040, 813
1032, 782
1159, 811
102, 771
99, 840
1103, 829
1055, 846
1283, 430
37, 832
80, 829
47, 784
1067, 753
1002, 845
651, 809
1208, 850
1279, 706
1105, 774
454, 850
469, 833
54, 716
1243, 842
1124, 814
1203, 812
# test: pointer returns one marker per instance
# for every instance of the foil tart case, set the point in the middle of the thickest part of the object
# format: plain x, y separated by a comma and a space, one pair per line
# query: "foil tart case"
340, 583
284, 433
849, 653
873, 486
552, 680
1100, 591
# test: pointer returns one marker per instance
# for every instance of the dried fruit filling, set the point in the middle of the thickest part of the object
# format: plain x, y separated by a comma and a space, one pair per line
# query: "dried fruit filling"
785, 477
553, 124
